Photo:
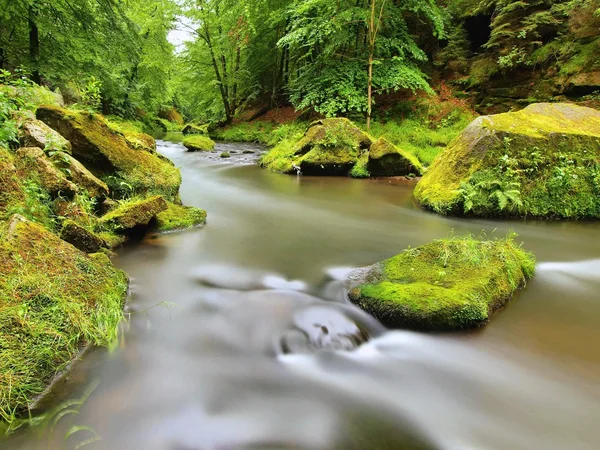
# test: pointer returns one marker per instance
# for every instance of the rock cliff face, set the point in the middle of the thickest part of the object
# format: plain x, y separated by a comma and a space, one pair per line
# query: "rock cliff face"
542, 161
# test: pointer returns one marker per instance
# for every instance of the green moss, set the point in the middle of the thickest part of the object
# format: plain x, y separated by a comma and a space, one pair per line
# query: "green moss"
53, 300
280, 158
198, 143
81, 238
21, 193
225, 155
541, 161
177, 217
360, 168
133, 213
108, 155
451, 283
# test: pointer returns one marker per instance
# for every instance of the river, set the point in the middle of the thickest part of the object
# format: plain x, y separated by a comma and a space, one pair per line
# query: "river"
240, 335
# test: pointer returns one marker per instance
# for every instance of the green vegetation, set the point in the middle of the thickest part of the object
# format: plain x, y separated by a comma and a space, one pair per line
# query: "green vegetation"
198, 143
53, 300
177, 217
541, 161
449, 284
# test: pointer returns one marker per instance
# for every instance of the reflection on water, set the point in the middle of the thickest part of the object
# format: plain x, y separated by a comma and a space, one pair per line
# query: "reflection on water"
258, 348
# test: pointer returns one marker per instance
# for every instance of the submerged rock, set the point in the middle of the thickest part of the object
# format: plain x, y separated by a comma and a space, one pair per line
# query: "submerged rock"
78, 174
338, 147
34, 160
134, 214
109, 156
449, 284
55, 299
542, 161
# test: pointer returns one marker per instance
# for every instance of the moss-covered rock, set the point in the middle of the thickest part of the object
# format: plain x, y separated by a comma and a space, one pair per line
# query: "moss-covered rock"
177, 217
78, 174
34, 160
449, 284
135, 213
108, 155
198, 143
81, 238
54, 299
543, 161
387, 160
225, 155
329, 147
35, 133
192, 128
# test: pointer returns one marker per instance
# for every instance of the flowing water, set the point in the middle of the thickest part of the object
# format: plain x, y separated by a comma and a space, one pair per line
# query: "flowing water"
240, 335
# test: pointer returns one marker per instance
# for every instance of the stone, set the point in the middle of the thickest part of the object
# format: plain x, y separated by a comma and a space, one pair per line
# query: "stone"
35, 133
79, 237
449, 284
34, 160
541, 161
78, 174
132, 215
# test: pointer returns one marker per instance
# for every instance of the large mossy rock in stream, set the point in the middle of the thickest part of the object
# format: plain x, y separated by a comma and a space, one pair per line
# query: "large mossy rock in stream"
136, 214
54, 299
110, 157
198, 143
338, 147
33, 160
449, 284
543, 161
78, 174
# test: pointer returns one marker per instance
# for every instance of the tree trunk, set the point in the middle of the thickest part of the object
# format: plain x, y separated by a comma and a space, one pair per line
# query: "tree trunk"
34, 45
372, 35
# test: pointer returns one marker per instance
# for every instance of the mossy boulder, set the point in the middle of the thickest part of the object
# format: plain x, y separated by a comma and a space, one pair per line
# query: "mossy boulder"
542, 161
78, 174
387, 160
35, 133
81, 238
338, 147
11, 191
329, 147
198, 143
134, 214
34, 160
177, 217
191, 128
109, 156
54, 299
225, 155
449, 284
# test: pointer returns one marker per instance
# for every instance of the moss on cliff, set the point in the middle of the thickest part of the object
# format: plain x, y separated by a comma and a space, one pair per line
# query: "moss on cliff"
451, 283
